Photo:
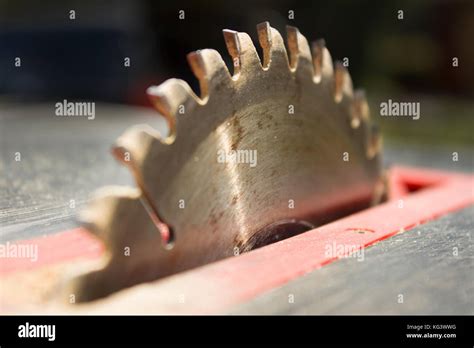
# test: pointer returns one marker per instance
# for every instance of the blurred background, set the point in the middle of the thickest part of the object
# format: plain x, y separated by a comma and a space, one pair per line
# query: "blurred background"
110, 51
407, 60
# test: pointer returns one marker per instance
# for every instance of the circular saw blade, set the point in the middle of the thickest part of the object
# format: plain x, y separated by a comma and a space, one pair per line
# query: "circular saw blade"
281, 145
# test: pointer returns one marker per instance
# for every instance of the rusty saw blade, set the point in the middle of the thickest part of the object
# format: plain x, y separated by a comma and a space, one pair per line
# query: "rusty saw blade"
280, 146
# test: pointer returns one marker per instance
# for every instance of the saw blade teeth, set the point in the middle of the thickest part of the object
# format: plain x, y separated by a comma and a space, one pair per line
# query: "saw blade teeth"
300, 53
265, 40
209, 68
292, 33
374, 145
381, 191
322, 61
101, 209
197, 65
170, 98
273, 46
131, 147
243, 52
113, 201
342, 82
361, 108
103, 217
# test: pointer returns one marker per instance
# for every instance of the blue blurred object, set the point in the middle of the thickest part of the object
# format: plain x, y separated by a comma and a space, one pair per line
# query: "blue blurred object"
68, 62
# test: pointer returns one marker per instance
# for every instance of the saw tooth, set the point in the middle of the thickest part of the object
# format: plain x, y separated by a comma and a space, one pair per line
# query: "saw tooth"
132, 146
197, 65
265, 40
273, 46
292, 46
322, 61
374, 144
131, 149
342, 82
100, 210
145, 245
243, 52
209, 68
361, 112
300, 53
169, 98
381, 190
